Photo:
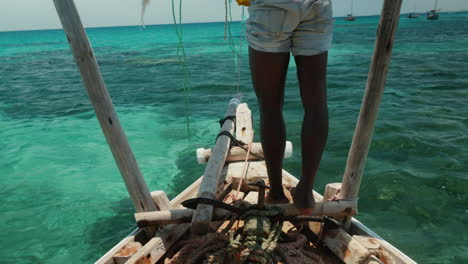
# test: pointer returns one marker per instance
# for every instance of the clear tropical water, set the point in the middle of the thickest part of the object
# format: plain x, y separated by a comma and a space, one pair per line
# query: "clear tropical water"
63, 198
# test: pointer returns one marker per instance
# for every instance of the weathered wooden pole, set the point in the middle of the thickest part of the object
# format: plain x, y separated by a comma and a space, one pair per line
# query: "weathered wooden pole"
101, 101
372, 97
201, 219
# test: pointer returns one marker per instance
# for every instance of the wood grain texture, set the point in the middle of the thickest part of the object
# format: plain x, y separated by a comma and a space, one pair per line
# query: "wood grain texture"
202, 217
161, 200
101, 101
372, 96
244, 128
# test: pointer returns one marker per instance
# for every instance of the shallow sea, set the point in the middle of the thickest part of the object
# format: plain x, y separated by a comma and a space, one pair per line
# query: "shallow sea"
63, 200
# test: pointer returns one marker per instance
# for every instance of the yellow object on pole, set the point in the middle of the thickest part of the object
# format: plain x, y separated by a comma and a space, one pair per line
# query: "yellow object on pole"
243, 2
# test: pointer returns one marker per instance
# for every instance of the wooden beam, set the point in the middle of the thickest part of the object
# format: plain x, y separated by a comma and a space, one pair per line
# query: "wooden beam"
244, 128
238, 153
349, 250
202, 217
125, 253
161, 200
108, 258
101, 101
372, 97
157, 246
167, 235
330, 208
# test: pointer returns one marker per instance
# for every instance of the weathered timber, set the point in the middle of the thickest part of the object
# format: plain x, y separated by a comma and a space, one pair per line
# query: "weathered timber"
101, 101
167, 235
161, 200
244, 128
329, 208
239, 154
125, 253
202, 217
332, 191
108, 258
398, 257
338, 241
372, 96
152, 251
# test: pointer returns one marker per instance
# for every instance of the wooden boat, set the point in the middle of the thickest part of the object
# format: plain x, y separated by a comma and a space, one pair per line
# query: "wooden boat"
413, 15
432, 14
350, 16
358, 245
163, 223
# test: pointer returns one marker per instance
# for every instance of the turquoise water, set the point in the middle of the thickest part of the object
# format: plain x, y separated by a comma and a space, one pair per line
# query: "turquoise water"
61, 193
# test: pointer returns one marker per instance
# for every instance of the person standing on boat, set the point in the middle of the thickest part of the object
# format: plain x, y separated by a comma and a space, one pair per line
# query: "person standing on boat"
275, 29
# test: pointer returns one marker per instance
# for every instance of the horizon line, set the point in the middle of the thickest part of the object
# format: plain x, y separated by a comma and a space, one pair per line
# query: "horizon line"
188, 23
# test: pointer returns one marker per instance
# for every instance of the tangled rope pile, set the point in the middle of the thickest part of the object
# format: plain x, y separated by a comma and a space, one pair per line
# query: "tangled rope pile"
260, 240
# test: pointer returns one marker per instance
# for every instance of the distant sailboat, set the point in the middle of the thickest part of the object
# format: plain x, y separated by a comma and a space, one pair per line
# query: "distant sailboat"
432, 14
413, 14
350, 16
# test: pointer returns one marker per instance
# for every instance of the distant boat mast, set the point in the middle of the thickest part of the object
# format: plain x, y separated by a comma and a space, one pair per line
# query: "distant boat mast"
350, 16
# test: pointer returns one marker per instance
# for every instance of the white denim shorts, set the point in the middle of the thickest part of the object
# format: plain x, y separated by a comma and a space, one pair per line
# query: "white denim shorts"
302, 27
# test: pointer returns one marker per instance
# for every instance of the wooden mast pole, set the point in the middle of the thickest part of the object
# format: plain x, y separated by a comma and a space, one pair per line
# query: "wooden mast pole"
201, 218
101, 101
372, 97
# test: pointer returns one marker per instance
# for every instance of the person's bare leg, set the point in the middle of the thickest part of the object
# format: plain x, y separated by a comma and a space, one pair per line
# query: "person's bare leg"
311, 73
268, 76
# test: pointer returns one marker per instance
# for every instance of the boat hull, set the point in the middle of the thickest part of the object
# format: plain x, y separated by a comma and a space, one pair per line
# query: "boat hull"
162, 242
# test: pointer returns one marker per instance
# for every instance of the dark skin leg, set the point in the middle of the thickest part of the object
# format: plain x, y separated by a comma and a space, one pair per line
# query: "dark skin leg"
311, 73
268, 77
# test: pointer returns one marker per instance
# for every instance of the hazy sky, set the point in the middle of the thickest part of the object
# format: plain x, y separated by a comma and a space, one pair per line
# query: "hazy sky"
40, 14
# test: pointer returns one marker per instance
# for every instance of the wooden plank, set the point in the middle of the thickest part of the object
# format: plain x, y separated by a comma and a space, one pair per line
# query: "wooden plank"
168, 235
125, 253
156, 248
203, 214
356, 227
108, 257
329, 208
161, 200
239, 154
372, 96
244, 128
252, 197
332, 190
256, 170
101, 101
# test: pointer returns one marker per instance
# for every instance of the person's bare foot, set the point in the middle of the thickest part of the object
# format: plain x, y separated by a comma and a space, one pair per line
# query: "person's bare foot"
276, 198
303, 199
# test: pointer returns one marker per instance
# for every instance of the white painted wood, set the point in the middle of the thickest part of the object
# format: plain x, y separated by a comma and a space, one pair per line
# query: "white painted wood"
372, 97
101, 101
202, 217
244, 128
238, 153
